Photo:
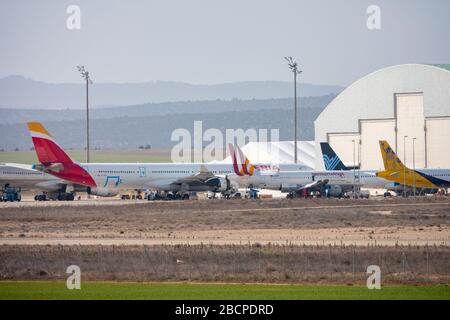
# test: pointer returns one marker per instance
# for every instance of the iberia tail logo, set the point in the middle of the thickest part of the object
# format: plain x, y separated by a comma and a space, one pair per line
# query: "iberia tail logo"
241, 165
54, 159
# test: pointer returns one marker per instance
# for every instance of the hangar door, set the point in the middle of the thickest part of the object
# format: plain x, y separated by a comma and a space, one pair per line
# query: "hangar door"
343, 145
437, 142
372, 131
411, 123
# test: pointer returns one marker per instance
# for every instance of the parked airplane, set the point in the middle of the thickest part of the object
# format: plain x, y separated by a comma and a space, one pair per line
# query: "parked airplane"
274, 178
363, 178
397, 172
26, 178
334, 182
331, 159
107, 179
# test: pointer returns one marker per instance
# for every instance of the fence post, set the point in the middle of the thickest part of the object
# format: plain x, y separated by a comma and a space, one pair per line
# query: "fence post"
353, 264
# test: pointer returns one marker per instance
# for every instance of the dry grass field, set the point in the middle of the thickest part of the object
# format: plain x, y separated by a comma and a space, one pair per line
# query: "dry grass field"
234, 263
271, 241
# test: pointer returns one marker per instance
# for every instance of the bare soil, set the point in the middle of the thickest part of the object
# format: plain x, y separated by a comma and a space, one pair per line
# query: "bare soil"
317, 221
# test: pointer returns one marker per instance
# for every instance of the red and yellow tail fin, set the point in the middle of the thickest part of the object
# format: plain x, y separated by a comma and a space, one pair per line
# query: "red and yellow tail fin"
47, 150
241, 164
55, 160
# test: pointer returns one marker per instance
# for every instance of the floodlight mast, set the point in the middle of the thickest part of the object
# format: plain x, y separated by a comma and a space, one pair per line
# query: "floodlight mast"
86, 77
294, 68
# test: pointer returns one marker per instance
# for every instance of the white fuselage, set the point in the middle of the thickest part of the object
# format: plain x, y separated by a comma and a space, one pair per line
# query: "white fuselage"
160, 176
290, 179
24, 176
361, 178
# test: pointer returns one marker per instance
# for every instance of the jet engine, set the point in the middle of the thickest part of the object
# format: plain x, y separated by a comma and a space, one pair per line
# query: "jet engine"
218, 184
102, 192
335, 190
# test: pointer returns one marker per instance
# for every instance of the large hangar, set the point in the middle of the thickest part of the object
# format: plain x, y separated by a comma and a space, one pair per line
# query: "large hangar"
411, 100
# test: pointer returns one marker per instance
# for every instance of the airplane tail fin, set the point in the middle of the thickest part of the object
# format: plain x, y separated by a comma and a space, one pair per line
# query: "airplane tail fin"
396, 171
330, 158
54, 159
390, 159
241, 164
47, 150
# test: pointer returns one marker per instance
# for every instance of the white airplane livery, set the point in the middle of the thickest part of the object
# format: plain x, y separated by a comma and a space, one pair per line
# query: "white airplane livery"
107, 179
27, 178
336, 181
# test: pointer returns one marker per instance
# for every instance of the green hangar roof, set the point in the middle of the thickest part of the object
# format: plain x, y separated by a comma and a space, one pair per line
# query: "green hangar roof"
442, 66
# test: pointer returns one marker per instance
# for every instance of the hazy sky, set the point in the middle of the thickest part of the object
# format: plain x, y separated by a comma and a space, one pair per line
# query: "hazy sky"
207, 41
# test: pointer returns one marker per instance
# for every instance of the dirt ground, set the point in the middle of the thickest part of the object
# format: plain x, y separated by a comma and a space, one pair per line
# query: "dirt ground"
301, 222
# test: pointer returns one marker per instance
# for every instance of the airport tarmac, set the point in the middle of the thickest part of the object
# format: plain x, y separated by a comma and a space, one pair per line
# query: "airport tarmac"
389, 222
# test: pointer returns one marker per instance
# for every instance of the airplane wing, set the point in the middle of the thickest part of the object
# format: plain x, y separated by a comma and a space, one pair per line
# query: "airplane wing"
203, 175
204, 178
314, 185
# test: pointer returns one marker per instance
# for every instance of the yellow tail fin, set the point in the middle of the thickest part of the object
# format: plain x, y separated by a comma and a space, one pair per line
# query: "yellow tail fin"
390, 159
396, 171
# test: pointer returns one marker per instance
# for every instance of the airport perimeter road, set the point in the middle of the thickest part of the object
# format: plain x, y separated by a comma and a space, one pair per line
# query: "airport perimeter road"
310, 222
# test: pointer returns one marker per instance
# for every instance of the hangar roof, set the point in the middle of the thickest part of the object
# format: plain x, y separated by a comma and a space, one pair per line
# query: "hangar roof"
373, 96
443, 66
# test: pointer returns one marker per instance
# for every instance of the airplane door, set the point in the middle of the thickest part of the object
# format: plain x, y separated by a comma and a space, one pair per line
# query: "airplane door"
142, 172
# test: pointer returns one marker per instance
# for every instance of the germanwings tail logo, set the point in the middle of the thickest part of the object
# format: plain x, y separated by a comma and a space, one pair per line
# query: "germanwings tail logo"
241, 164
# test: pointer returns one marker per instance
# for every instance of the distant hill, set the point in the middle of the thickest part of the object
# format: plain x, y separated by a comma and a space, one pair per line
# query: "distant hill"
159, 109
20, 92
131, 126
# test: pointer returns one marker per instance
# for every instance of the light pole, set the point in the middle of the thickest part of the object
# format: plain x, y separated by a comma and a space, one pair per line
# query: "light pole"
414, 167
354, 168
294, 67
85, 76
404, 166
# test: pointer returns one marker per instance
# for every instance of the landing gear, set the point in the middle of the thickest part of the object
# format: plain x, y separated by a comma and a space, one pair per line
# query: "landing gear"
57, 196
40, 197
185, 196
168, 196
66, 197
133, 195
